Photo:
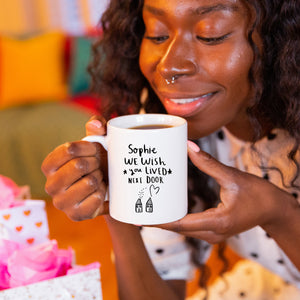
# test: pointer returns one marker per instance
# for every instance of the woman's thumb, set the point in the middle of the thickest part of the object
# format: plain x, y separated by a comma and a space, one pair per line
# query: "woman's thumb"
96, 126
206, 163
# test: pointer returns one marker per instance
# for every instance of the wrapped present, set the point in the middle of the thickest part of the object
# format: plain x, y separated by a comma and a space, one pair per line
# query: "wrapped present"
26, 223
23, 265
31, 265
11, 193
45, 272
22, 221
83, 285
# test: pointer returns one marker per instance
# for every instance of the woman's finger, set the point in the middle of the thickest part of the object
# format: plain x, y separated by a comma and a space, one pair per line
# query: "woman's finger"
208, 236
92, 206
69, 173
64, 153
208, 220
96, 126
78, 191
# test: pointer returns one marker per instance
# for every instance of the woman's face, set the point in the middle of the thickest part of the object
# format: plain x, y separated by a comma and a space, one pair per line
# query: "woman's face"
203, 45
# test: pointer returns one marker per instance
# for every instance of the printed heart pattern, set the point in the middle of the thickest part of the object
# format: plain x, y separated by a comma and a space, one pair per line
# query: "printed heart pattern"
38, 224
30, 241
6, 217
27, 212
154, 190
25, 224
19, 228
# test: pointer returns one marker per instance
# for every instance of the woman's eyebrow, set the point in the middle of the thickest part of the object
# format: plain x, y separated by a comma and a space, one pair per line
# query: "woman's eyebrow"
202, 10
154, 10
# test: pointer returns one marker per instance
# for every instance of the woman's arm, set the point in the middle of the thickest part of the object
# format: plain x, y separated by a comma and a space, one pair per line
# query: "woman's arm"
136, 276
76, 180
246, 201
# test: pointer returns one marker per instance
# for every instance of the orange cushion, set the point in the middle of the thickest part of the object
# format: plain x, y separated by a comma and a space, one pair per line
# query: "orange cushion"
32, 69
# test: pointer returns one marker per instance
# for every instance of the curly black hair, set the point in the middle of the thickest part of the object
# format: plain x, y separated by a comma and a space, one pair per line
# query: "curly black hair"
274, 75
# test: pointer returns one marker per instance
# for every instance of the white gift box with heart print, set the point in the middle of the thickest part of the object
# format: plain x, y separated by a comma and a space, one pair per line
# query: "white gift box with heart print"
26, 224
147, 167
82, 286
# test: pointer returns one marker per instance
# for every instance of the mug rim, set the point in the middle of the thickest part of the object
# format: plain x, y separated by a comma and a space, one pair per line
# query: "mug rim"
134, 120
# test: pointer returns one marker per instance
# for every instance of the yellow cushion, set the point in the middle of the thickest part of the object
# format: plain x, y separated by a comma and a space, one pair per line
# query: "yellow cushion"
32, 69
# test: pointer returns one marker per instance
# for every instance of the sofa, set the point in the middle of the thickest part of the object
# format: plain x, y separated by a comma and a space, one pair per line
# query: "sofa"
44, 101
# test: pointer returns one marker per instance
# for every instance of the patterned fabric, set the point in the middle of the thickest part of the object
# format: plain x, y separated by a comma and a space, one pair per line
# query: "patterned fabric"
248, 281
169, 253
267, 159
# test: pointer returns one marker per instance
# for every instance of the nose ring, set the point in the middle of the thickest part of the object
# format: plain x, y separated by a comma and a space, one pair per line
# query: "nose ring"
173, 78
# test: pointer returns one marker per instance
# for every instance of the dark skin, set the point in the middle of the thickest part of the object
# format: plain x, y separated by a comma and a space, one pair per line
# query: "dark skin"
204, 45
215, 67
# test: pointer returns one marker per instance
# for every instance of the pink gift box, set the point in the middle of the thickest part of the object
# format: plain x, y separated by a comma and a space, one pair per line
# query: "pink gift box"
26, 224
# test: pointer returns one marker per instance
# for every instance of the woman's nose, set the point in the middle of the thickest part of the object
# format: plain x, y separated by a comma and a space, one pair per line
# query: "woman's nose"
177, 60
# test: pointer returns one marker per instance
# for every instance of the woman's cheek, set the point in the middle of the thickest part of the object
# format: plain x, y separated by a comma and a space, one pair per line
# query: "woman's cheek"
149, 58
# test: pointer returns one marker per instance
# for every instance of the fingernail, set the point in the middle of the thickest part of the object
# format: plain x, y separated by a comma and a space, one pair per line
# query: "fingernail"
193, 147
95, 214
95, 123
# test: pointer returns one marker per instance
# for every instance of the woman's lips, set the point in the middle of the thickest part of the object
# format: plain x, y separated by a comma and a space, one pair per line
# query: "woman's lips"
185, 106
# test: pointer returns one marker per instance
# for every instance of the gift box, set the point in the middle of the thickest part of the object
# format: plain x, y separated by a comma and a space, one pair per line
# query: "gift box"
26, 223
31, 265
85, 285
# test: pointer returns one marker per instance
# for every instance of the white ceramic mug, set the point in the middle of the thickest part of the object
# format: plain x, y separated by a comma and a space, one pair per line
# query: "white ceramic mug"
147, 168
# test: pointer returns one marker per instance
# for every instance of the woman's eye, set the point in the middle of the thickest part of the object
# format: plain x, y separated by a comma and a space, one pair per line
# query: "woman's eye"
213, 40
157, 39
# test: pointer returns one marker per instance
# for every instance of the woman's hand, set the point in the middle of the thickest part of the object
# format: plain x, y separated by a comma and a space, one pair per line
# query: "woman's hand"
77, 175
246, 201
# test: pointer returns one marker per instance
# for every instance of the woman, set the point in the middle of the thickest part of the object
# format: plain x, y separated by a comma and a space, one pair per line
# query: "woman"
221, 64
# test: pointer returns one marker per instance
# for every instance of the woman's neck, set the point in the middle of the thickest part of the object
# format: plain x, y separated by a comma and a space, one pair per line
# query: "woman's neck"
245, 131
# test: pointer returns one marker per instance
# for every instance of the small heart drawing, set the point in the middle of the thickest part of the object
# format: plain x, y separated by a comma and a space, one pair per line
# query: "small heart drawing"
154, 190
6, 217
19, 228
38, 224
26, 212
30, 240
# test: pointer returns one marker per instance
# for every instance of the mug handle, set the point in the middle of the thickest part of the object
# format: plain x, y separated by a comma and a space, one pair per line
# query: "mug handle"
101, 139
